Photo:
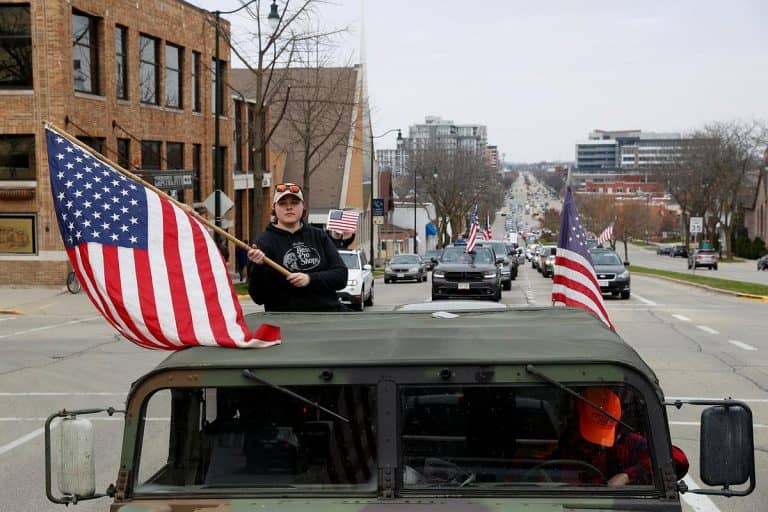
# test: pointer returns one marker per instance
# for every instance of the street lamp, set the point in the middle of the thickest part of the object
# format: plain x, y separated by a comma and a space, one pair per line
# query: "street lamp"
399, 139
415, 227
218, 168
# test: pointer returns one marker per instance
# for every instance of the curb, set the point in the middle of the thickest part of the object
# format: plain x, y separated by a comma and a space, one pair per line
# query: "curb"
762, 298
10, 312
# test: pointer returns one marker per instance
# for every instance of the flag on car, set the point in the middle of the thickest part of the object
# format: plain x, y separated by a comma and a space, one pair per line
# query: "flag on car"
343, 221
606, 235
487, 235
575, 283
148, 266
472, 239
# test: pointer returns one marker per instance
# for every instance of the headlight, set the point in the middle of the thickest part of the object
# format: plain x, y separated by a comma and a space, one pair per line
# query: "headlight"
489, 275
438, 274
352, 282
387, 269
623, 275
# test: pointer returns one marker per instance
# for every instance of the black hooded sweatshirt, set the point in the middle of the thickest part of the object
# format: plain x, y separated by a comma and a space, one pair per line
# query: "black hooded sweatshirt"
308, 250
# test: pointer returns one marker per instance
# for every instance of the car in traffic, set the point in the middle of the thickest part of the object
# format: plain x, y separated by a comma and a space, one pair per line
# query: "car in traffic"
508, 264
431, 257
461, 274
612, 274
664, 250
679, 251
703, 258
546, 265
359, 290
450, 410
762, 263
405, 267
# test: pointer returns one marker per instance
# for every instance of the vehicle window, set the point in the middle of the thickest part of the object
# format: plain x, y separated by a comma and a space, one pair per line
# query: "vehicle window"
483, 257
350, 260
468, 437
605, 258
259, 438
409, 258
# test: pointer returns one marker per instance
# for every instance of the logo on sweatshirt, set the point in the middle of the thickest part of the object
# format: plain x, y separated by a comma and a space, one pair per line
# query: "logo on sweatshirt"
301, 258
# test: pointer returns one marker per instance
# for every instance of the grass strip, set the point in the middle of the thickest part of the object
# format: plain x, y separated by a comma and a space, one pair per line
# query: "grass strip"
241, 288
714, 282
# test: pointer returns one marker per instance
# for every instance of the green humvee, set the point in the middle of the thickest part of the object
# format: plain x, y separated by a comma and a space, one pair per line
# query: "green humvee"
470, 410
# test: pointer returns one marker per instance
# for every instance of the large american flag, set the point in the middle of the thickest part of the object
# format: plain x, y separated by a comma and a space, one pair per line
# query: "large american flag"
344, 221
472, 240
149, 267
606, 235
575, 283
487, 235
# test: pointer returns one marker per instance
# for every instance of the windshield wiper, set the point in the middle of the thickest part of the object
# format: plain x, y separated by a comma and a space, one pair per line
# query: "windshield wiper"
534, 371
250, 375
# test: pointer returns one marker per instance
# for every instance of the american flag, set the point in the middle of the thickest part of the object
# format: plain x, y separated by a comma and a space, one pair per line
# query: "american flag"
472, 240
606, 235
344, 221
575, 283
149, 267
487, 235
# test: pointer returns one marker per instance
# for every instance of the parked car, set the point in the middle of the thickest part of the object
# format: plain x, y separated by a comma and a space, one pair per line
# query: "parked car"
612, 275
431, 258
703, 258
359, 290
664, 250
679, 250
405, 267
762, 263
508, 265
461, 274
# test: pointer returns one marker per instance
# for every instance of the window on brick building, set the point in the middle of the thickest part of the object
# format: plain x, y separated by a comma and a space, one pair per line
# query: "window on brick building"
149, 71
124, 153
85, 52
238, 136
197, 195
174, 159
196, 81
150, 154
17, 157
15, 47
218, 101
96, 143
173, 83
121, 62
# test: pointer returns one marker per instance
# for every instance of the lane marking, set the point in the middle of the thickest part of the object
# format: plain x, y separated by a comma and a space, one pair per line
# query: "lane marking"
698, 424
56, 393
708, 329
683, 318
20, 441
643, 299
105, 418
747, 400
54, 326
698, 502
4, 319
742, 345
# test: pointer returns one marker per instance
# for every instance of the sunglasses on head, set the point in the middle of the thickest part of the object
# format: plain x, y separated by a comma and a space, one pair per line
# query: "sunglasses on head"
290, 187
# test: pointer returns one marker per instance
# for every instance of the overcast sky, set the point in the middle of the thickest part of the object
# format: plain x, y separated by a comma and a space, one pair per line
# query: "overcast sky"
542, 75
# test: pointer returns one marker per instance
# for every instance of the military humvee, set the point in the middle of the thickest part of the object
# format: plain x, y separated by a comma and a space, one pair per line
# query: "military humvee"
398, 411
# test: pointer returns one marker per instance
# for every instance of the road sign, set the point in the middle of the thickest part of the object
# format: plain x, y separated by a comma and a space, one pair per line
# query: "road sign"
378, 207
378, 219
210, 203
697, 225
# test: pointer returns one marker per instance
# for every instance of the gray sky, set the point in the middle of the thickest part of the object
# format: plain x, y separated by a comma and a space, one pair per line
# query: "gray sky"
541, 75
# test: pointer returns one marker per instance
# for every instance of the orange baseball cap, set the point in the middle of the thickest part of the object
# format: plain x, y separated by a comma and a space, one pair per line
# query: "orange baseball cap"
594, 426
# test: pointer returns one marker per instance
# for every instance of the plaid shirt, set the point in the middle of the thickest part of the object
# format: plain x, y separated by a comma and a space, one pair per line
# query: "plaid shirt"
629, 454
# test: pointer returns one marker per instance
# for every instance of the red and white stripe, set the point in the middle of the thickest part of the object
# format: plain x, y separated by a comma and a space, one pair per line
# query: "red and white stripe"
346, 224
575, 284
174, 294
472, 240
606, 235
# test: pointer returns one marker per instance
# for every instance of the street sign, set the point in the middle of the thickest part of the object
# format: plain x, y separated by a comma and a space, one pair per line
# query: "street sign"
378, 207
697, 225
378, 219
210, 203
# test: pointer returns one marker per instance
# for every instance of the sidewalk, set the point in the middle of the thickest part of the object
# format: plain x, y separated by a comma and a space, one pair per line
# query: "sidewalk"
19, 300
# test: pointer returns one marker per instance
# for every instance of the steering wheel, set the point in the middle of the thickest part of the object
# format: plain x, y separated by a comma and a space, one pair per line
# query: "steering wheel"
544, 469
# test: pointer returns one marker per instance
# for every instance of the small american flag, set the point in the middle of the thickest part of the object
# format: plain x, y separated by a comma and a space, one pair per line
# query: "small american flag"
575, 283
149, 267
487, 235
472, 240
344, 221
606, 235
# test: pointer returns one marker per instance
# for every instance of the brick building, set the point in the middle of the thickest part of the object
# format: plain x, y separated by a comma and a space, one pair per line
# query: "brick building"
132, 79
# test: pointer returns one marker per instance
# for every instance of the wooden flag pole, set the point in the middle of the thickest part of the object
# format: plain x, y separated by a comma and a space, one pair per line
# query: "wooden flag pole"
156, 190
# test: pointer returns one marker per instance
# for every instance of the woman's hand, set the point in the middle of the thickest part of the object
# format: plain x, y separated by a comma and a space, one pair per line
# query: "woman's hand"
256, 255
298, 279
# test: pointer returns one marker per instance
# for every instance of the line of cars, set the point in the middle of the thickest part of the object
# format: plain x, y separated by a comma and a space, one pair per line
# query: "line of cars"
705, 257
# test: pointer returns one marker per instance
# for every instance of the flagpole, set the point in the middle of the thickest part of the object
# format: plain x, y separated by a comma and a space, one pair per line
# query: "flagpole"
156, 190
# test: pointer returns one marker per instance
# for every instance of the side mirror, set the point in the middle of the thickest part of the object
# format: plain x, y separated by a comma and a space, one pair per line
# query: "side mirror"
727, 445
433, 260
367, 266
499, 261
626, 263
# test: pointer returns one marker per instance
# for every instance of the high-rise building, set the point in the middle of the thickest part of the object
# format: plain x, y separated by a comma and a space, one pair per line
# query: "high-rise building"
447, 135
626, 149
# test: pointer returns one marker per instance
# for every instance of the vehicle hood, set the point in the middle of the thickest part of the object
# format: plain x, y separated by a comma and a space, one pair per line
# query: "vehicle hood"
464, 267
609, 269
354, 273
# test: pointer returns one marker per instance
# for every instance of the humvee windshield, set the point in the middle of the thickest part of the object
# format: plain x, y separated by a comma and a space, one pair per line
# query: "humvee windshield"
468, 438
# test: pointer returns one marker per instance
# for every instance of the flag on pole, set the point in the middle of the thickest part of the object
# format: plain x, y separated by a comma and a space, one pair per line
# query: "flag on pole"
606, 235
487, 235
575, 283
148, 266
472, 240
343, 221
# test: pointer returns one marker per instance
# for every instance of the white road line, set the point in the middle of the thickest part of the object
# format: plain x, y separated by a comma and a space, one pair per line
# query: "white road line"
56, 393
54, 326
643, 299
18, 442
5, 319
747, 400
741, 344
698, 502
683, 318
708, 329
697, 424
